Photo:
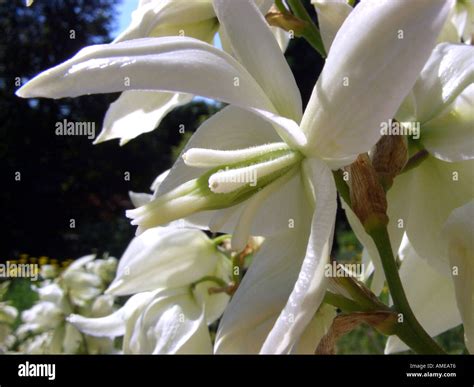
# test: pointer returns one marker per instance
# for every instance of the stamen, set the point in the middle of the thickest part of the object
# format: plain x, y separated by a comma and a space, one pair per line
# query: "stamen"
163, 210
201, 157
232, 179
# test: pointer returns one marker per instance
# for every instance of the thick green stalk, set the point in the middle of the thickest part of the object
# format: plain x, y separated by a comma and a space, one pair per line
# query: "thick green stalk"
281, 7
410, 330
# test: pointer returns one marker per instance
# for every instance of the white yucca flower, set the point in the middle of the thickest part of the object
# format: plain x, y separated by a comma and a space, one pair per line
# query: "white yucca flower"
172, 273
79, 289
421, 199
366, 77
141, 111
8, 315
442, 301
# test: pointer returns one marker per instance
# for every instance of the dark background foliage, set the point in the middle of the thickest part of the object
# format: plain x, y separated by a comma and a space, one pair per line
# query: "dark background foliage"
66, 177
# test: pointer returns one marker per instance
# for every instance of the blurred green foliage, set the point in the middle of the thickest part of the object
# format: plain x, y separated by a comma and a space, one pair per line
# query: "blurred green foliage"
21, 295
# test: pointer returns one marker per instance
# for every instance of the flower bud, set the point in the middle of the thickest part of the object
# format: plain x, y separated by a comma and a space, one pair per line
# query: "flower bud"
165, 257
367, 195
384, 321
389, 156
285, 21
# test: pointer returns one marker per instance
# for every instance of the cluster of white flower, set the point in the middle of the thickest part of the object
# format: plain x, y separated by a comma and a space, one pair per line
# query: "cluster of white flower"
170, 271
386, 59
78, 289
8, 315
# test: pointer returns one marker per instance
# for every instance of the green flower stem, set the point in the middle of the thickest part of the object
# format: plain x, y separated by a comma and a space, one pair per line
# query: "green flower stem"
311, 32
281, 7
410, 330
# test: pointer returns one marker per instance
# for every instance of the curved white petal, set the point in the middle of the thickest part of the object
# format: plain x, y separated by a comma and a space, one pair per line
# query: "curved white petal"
436, 188
431, 297
449, 70
450, 135
264, 5
373, 267
254, 45
315, 331
164, 257
172, 323
369, 248
252, 207
368, 73
139, 199
449, 33
51, 292
174, 64
214, 304
114, 324
459, 232
262, 294
168, 17
311, 284
331, 16
72, 339
268, 282
79, 263
288, 129
137, 112
282, 37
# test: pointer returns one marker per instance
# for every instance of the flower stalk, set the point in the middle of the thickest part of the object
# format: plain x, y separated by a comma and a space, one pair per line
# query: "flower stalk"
311, 32
369, 203
410, 330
